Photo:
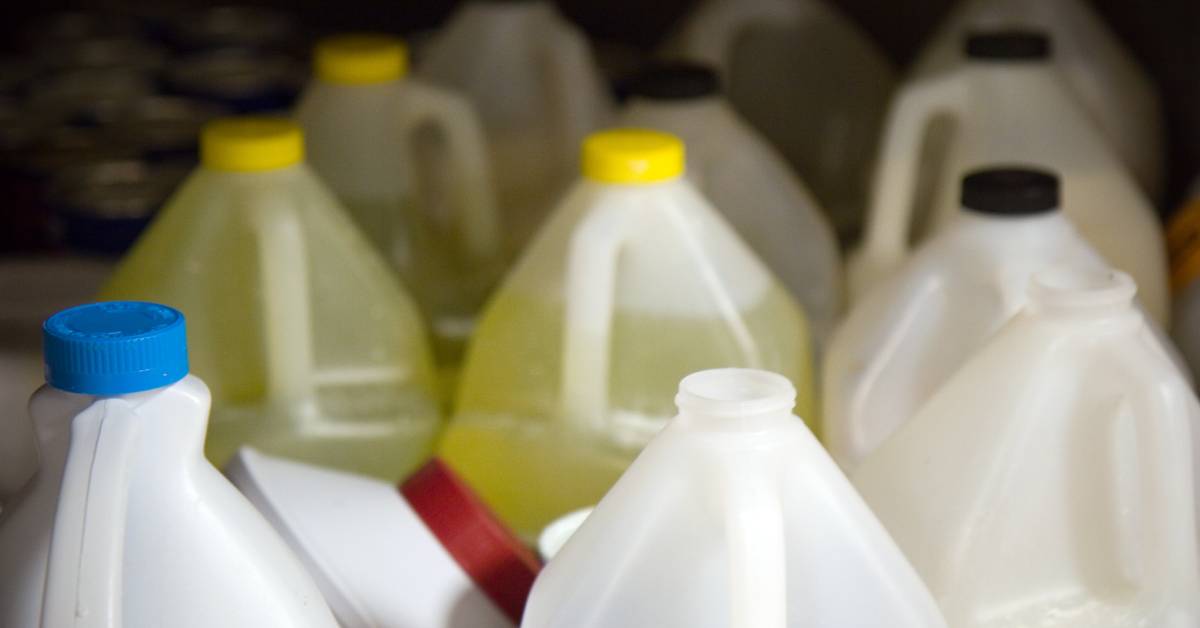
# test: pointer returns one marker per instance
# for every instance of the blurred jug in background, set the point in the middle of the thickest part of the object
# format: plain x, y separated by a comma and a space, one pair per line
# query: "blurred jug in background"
1183, 240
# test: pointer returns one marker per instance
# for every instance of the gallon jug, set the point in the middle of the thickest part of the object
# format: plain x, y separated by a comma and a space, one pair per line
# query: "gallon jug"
787, 66
1183, 242
371, 134
126, 525
910, 333
1007, 104
1092, 61
732, 517
747, 181
531, 76
634, 282
311, 347
429, 554
1051, 482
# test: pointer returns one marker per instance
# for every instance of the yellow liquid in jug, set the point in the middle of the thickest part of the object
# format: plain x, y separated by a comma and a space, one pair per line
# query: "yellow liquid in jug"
509, 440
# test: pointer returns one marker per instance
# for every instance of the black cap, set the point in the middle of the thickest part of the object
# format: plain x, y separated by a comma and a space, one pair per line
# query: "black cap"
1008, 45
1010, 191
674, 80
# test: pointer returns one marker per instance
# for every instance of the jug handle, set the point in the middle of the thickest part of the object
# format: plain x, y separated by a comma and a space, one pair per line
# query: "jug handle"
472, 193
893, 188
284, 289
757, 550
87, 543
568, 66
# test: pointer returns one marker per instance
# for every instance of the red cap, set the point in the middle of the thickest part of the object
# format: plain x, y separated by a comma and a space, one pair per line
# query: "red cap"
494, 558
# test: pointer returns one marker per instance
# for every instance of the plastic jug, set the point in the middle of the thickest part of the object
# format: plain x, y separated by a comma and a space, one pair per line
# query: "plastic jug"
747, 181
634, 282
786, 65
1051, 482
1093, 62
1008, 105
910, 333
1183, 242
429, 554
125, 524
309, 344
371, 133
531, 76
732, 517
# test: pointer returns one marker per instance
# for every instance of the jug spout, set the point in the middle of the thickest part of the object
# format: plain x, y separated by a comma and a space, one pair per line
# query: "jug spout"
731, 398
1082, 292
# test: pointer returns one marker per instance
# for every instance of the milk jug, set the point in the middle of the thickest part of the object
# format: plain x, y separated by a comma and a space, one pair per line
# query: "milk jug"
531, 77
1183, 242
410, 163
428, 554
1007, 104
732, 517
635, 281
910, 333
1092, 61
125, 524
787, 67
1051, 482
309, 344
746, 180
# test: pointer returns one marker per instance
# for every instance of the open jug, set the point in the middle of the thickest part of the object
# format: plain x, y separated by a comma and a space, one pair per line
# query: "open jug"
410, 163
732, 517
785, 65
126, 525
634, 282
532, 79
309, 344
1008, 104
1052, 480
751, 185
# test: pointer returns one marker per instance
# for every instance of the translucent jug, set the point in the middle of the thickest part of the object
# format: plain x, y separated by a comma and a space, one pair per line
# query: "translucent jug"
125, 524
1007, 105
1183, 241
1092, 61
732, 517
635, 281
1051, 482
410, 163
911, 332
786, 65
747, 181
531, 76
311, 347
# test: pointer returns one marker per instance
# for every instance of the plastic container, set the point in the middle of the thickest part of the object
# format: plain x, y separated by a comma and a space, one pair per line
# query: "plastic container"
634, 282
429, 554
747, 180
1008, 104
309, 344
1051, 481
1183, 242
532, 79
125, 523
910, 333
410, 163
1092, 61
786, 65
732, 517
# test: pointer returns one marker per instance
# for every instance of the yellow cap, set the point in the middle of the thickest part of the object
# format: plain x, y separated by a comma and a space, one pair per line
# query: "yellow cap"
361, 59
251, 144
632, 156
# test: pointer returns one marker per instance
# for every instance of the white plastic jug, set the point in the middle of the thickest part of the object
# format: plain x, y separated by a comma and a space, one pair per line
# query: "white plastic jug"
126, 524
911, 332
428, 554
531, 76
809, 80
1007, 105
732, 517
1092, 61
410, 163
747, 181
1052, 481
1183, 241
634, 282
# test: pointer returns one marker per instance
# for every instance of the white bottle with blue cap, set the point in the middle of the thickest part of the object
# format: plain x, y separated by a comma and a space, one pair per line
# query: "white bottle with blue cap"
125, 523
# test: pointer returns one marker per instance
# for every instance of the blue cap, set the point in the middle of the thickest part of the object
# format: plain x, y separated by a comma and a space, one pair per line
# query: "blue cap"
115, 348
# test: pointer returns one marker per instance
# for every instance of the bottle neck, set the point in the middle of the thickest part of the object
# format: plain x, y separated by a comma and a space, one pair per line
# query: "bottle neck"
1064, 291
734, 400
1051, 224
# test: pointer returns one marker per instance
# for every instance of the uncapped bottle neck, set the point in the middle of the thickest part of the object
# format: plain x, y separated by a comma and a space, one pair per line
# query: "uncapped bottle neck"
719, 395
1065, 289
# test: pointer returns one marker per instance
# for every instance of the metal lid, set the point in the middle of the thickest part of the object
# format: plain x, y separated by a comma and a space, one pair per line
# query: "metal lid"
224, 26
114, 189
233, 73
97, 95
104, 52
